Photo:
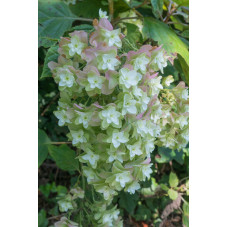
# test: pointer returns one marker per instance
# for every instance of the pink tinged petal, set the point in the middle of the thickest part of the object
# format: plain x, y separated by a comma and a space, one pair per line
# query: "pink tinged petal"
150, 104
146, 49
52, 65
105, 88
130, 54
80, 74
81, 34
91, 68
88, 54
147, 161
128, 66
72, 69
171, 58
77, 106
64, 41
149, 77
93, 37
181, 85
110, 76
154, 75
144, 88
139, 116
156, 49
62, 60
103, 48
105, 24
97, 105
107, 75
122, 36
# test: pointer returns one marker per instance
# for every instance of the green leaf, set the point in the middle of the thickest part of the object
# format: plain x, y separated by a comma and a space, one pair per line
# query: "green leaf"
55, 18
164, 187
43, 39
40, 70
133, 33
128, 201
84, 27
179, 156
61, 190
157, 7
160, 32
185, 68
186, 208
185, 34
46, 189
154, 184
88, 8
168, 155
186, 214
52, 55
178, 23
42, 221
173, 180
182, 2
120, 6
172, 194
43, 142
142, 213
64, 157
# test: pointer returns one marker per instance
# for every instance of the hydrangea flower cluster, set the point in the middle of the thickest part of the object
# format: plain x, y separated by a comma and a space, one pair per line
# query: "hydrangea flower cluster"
128, 111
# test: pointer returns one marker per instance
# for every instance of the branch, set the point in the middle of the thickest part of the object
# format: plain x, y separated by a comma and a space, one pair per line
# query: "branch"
59, 143
111, 9
170, 12
56, 217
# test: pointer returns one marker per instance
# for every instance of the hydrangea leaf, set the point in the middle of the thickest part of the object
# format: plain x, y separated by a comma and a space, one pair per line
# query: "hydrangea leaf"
64, 157
83, 27
185, 34
120, 6
42, 220
142, 213
52, 55
173, 180
43, 144
172, 194
128, 201
186, 214
88, 8
184, 68
157, 7
46, 189
165, 36
133, 33
182, 2
54, 19
168, 155
164, 187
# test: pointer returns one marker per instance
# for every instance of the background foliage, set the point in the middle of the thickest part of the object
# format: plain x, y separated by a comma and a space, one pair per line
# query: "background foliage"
163, 200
